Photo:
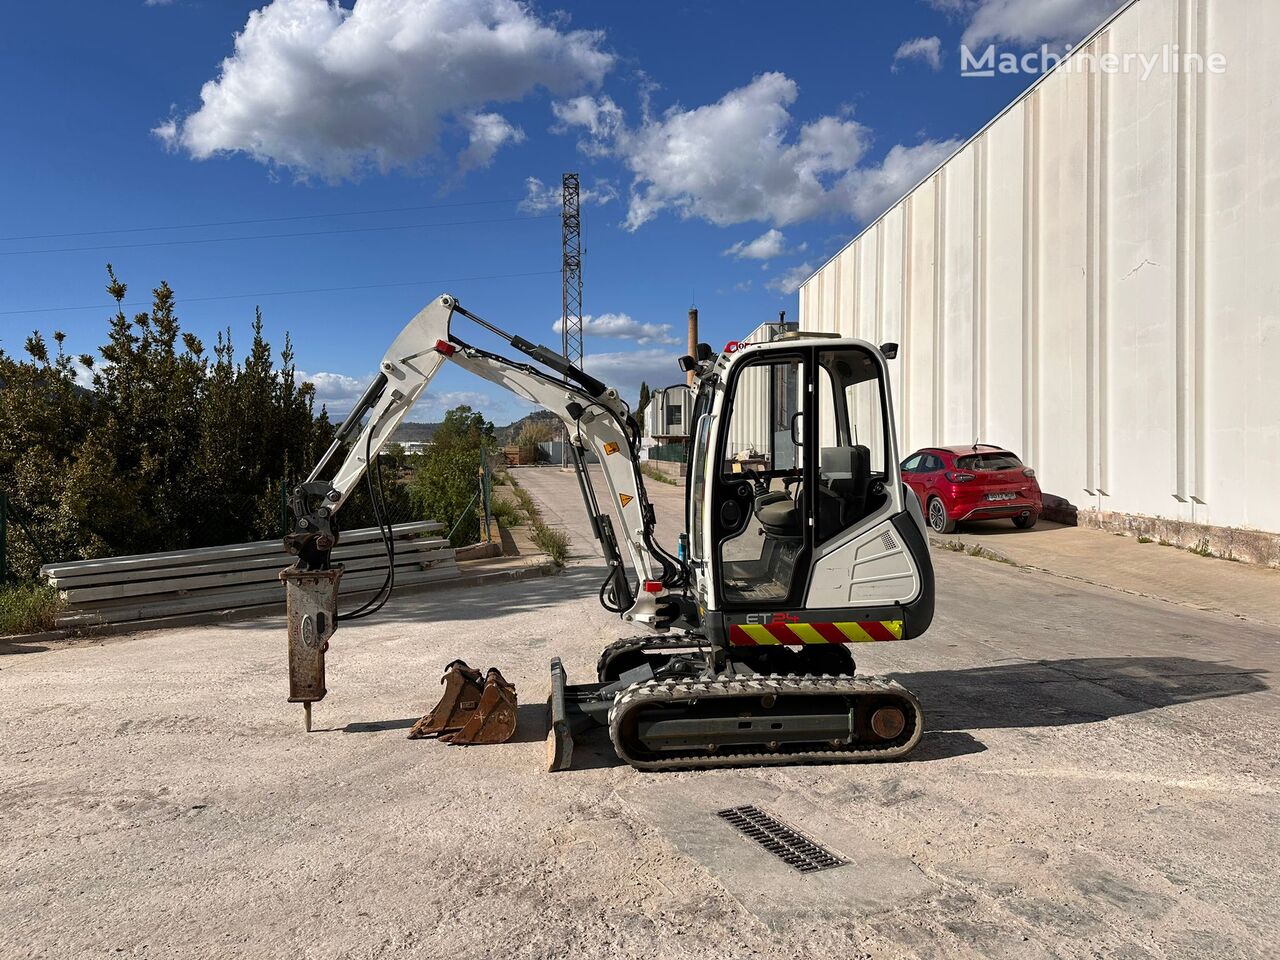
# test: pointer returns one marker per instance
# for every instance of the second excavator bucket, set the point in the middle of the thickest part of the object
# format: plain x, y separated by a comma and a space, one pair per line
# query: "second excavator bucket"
495, 720
463, 690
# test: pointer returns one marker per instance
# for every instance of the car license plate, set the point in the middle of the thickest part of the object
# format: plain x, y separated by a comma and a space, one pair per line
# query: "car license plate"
1001, 496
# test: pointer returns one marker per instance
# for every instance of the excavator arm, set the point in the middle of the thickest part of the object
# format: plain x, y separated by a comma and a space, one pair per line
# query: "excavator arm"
597, 420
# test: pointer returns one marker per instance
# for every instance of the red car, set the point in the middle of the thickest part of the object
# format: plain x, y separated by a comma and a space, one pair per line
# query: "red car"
978, 482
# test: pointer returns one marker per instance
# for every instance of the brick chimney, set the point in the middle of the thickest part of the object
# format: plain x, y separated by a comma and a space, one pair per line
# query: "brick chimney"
693, 340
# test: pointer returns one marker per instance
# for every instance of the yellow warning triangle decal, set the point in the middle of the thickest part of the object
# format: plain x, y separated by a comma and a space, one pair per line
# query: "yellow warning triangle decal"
625, 498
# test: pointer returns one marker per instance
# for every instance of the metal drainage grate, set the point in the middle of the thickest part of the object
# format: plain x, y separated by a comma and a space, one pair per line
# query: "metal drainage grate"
788, 845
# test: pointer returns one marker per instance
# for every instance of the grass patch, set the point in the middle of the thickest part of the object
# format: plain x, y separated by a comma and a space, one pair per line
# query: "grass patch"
1201, 549
28, 608
553, 543
653, 473
1145, 540
506, 512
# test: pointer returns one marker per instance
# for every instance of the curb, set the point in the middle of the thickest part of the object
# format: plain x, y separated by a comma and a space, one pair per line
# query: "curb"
960, 546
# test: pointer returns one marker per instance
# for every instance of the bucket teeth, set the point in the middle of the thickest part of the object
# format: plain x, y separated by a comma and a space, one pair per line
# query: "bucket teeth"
473, 708
495, 720
463, 690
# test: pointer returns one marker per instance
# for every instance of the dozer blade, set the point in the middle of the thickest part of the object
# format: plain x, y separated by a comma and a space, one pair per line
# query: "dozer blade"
559, 733
463, 691
495, 720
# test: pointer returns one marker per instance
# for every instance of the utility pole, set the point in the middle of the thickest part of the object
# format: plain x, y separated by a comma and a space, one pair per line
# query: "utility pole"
570, 282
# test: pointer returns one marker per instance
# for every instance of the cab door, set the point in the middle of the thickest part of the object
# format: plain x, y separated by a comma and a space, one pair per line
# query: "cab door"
759, 517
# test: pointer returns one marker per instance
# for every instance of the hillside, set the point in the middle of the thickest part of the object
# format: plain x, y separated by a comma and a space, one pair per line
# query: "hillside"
418, 432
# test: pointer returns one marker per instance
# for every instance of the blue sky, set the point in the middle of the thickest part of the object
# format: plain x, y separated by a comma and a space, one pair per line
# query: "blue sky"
726, 147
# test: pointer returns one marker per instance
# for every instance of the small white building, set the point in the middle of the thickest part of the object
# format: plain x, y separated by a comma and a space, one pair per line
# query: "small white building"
666, 419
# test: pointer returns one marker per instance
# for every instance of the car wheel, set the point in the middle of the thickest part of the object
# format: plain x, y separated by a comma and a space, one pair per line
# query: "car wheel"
939, 522
1025, 523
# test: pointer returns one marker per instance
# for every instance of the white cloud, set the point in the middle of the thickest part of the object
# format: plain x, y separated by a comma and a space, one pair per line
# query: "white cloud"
874, 190
330, 91
731, 161
620, 326
789, 281
600, 117
541, 197
338, 393
487, 133
739, 159
1028, 22
625, 370
928, 49
768, 245
335, 391
156, 3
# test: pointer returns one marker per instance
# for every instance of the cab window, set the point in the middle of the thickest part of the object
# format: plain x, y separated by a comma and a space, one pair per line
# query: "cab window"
854, 441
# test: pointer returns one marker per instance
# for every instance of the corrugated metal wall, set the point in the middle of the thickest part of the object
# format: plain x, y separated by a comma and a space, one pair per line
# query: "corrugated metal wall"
1094, 280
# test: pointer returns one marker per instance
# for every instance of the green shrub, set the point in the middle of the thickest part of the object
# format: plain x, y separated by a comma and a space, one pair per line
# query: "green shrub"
447, 480
552, 542
653, 473
506, 512
28, 608
526, 503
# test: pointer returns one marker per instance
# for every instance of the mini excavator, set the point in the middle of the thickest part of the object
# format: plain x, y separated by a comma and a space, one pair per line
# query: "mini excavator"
801, 540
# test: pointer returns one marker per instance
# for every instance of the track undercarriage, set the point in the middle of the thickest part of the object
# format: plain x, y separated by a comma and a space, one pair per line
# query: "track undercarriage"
679, 703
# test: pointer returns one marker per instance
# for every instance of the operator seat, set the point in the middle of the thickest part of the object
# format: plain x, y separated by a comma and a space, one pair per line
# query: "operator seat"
842, 488
779, 515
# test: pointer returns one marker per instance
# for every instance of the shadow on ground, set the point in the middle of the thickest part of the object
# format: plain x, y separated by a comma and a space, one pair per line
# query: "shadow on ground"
1005, 528
1043, 693
13, 647
1040, 693
531, 724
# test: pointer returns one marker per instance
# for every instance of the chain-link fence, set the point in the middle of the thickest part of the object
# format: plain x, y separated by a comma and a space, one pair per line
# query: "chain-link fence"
670, 452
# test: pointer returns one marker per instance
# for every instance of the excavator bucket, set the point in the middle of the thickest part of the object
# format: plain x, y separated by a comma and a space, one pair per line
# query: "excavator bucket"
463, 691
495, 720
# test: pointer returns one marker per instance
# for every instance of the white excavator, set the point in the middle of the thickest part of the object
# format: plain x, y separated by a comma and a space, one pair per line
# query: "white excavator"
801, 540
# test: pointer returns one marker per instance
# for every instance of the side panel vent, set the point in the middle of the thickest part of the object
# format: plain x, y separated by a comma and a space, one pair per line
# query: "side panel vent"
887, 539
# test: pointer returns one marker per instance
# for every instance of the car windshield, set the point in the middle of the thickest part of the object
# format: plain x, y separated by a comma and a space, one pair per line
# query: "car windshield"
989, 461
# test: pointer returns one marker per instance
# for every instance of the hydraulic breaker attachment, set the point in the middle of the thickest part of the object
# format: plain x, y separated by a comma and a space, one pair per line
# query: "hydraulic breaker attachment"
311, 598
495, 719
463, 689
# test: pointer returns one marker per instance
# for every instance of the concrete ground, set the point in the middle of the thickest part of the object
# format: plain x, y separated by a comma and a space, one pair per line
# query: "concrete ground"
1161, 571
1098, 779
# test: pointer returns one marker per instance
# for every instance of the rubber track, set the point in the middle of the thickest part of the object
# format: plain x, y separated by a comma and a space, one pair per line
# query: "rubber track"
657, 644
658, 691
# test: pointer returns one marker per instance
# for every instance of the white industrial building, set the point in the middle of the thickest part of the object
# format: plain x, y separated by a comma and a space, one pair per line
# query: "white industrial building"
1094, 280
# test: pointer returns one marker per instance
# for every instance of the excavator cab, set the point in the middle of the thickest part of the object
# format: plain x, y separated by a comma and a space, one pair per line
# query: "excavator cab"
800, 540
797, 515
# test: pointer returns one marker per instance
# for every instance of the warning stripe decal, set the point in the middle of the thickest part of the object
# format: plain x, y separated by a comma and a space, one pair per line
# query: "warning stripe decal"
799, 634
